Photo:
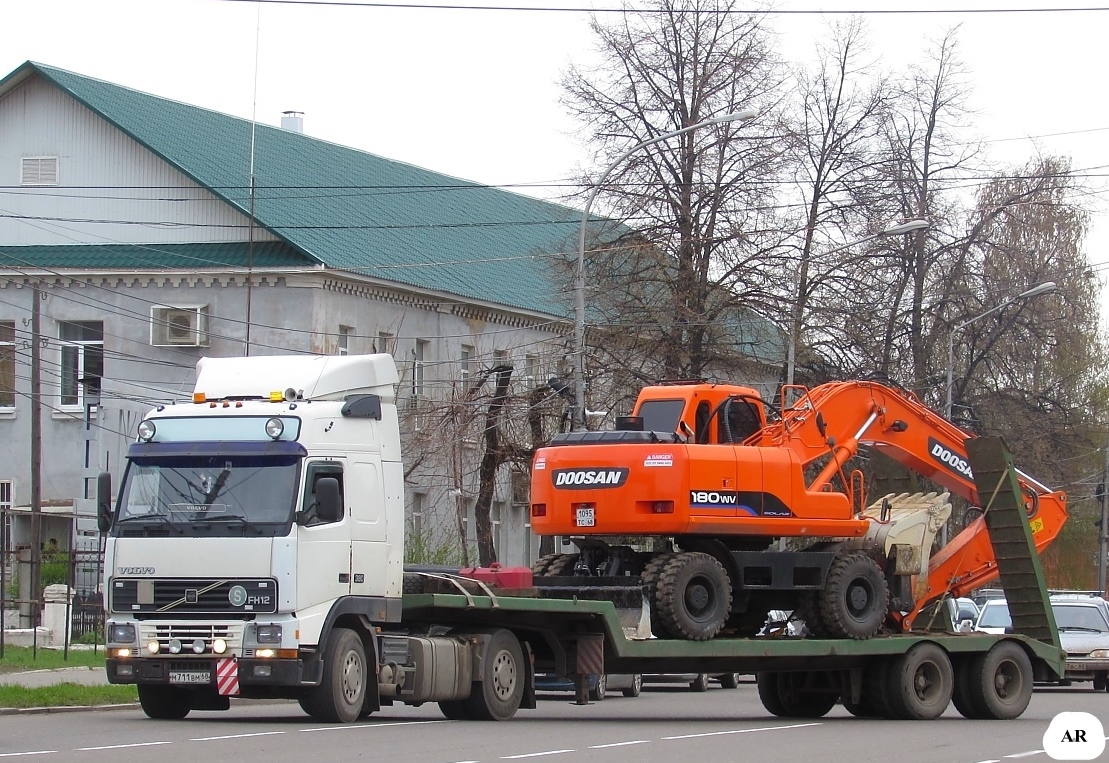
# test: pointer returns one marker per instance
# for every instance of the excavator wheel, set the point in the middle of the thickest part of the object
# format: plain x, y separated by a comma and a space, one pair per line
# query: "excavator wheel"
562, 564
649, 579
808, 612
694, 596
855, 598
543, 563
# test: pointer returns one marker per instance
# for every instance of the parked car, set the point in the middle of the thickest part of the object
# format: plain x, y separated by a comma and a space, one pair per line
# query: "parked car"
696, 681
629, 684
1083, 622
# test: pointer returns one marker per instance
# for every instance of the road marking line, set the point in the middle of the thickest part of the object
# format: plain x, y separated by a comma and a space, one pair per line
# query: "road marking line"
236, 736
743, 731
372, 726
535, 754
995, 760
120, 746
1024, 754
34, 752
618, 744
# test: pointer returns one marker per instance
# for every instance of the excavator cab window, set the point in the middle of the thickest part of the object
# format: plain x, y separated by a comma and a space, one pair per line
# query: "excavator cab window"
661, 415
704, 411
739, 419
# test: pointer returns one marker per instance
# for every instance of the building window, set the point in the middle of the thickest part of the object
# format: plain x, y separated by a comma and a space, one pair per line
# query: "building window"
531, 370
6, 544
496, 512
464, 363
345, 333
419, 367
38, 170
500, 357
82, 361
414, 522
7, 364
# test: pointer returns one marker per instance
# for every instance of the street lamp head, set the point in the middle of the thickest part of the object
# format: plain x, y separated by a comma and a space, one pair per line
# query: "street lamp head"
739, 116
1035, 291
906, 227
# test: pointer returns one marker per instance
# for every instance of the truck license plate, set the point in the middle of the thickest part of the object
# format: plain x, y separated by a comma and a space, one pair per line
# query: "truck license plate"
190, 677
585, 517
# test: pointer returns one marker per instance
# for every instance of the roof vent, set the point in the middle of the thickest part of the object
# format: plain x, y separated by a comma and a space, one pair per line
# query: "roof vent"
293, 121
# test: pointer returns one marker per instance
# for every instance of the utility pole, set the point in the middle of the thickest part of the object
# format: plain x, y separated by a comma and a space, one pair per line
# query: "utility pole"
1102, 530
36, 461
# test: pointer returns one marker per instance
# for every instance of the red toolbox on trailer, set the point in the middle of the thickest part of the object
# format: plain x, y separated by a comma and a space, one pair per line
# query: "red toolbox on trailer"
497, 576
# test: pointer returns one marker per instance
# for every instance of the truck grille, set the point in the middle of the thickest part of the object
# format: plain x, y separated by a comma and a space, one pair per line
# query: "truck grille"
187, 634
193, 595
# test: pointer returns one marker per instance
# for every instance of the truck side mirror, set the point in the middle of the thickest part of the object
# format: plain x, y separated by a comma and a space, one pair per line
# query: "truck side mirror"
329, 505
104, 501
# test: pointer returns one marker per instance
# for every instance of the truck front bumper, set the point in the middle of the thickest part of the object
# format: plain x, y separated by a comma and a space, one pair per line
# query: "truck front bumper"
198, 673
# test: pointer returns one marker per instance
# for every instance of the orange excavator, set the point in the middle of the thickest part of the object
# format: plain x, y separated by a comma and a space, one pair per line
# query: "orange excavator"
726, 507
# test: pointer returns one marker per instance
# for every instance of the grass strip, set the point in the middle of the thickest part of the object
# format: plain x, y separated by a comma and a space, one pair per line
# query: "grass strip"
19, 658
66, 695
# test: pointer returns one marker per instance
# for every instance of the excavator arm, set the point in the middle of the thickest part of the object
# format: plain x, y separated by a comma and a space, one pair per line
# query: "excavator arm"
829, 423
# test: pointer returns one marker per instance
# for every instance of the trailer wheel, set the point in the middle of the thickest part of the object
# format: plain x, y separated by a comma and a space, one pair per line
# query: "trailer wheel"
793, 695
962, 696
861, 709
1000, 682
342, 692
164, 703
921, 682
497, 696
876, 688
454, 709
694, 596
855, 597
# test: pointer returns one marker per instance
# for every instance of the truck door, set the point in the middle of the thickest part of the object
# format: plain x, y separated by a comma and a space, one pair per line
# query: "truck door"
323, 548
370, 552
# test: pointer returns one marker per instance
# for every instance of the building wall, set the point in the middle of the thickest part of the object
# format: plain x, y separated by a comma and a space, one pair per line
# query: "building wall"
110, 188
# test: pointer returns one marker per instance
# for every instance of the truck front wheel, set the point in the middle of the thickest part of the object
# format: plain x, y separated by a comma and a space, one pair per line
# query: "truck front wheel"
164, 703
342, 692
497, 696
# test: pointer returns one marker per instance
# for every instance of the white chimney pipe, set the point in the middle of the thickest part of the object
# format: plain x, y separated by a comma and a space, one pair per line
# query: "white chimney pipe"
293, 121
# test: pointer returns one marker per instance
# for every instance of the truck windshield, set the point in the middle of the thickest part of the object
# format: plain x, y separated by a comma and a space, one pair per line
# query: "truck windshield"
205, 495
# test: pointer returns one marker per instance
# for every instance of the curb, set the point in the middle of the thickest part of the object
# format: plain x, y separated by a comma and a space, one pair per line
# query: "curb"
63, 709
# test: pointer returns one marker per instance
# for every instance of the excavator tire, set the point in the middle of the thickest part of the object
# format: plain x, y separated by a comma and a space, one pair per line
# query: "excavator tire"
855, 598
562, 564
543, 563
694, 596
649, 579
808, 611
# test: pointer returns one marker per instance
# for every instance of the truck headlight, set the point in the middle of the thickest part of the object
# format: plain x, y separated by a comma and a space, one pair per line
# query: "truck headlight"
122, 633
1099, 654
269, 634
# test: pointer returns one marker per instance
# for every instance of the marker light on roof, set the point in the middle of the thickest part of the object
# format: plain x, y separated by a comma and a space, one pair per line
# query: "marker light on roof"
277, 396
199, 397
274, 428
147, 430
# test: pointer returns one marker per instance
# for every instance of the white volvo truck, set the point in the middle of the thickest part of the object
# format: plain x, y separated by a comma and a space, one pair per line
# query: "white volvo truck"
255, 549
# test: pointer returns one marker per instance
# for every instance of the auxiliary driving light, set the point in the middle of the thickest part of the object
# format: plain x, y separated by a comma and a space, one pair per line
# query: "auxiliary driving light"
147, 430
175, 646
219, 646
198, 646
152, 647
274, 428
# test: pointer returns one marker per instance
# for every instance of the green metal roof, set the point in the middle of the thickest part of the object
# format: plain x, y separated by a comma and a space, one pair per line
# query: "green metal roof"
191, 257
344, 208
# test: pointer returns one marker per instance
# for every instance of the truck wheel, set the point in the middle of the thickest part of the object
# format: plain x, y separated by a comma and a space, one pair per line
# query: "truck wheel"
796, 697
597, 693
700, 683
454, 709
962, 696
694, 596
876, 688
767, 685
1001, 681
855, 598
164, 702
342, 692
497, 696
921, 682
637, 686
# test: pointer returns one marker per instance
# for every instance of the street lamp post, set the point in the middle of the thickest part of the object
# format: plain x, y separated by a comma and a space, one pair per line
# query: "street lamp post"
1035, 291
579, 278
795, 321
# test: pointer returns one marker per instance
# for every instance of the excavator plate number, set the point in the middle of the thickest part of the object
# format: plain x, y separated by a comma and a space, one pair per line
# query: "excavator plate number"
584, 516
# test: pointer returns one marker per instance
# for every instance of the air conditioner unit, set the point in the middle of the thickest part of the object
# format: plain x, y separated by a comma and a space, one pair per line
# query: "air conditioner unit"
179, 326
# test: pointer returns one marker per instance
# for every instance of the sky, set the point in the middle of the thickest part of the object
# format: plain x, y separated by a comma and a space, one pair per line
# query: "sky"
474, 93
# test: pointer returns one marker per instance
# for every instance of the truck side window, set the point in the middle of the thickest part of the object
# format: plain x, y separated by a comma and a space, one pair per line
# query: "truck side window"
316, 472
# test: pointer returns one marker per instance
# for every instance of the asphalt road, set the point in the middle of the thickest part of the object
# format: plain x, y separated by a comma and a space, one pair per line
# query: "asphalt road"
663, 725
